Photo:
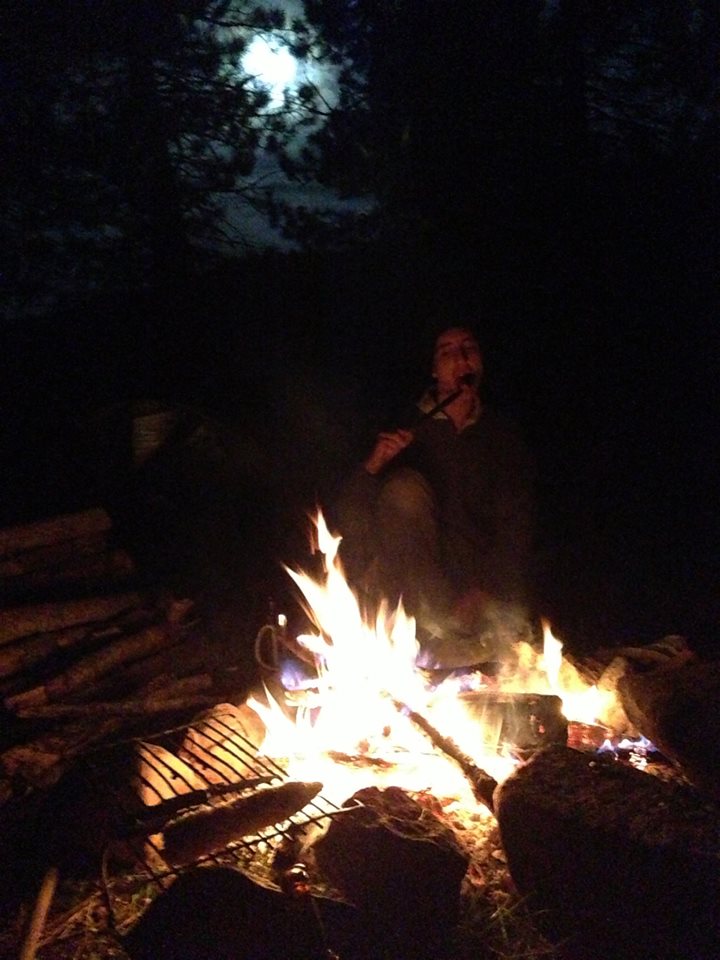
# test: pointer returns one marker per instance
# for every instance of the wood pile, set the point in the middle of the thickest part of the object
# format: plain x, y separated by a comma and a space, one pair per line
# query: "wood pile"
89, 650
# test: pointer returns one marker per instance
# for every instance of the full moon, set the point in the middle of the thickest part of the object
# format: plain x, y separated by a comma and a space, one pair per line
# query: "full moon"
272, 64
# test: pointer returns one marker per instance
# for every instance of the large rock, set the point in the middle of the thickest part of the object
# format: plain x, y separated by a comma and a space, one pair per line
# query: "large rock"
678, 708
401, 866
622, 863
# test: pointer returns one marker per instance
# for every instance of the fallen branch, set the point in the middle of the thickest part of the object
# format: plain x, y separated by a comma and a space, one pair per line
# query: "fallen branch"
483, 785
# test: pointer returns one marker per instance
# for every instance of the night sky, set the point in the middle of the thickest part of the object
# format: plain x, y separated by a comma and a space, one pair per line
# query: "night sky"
590, 271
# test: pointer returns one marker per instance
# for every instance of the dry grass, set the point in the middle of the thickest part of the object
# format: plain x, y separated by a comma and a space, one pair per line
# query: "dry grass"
87, 918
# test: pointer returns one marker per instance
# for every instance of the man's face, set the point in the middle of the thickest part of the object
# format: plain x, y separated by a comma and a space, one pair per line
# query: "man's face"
457, 361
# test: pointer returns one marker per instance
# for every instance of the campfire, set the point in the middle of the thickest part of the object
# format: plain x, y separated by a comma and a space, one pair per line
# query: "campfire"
371, 790
356, 709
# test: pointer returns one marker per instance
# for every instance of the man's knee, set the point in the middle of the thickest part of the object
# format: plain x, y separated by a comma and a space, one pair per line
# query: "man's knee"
406, 493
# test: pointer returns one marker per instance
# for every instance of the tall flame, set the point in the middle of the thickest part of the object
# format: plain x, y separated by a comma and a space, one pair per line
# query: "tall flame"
364, 670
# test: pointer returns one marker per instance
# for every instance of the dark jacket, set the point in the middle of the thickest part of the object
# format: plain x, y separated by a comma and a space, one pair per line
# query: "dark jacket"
483, 479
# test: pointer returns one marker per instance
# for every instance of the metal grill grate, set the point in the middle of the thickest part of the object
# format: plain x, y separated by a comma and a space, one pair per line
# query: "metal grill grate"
185, 767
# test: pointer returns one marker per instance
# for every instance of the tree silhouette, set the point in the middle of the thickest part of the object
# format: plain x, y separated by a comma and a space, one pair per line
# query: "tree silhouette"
132, 137
473, 110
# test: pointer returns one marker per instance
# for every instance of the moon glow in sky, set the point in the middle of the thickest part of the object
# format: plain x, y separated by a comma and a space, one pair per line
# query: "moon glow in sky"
272, 64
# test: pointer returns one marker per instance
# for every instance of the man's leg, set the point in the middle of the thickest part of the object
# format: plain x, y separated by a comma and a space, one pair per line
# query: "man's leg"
409, 556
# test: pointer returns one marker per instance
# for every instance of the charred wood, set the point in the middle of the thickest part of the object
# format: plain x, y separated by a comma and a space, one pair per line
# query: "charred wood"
482, 784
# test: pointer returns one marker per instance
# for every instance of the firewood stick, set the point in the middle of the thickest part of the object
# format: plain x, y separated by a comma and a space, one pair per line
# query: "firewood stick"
483, 785
39, 914
44, 617
40, 762
26, 652
100, 570
65, 527
186, 694
122, 708
55, 555
23, 656
93, 666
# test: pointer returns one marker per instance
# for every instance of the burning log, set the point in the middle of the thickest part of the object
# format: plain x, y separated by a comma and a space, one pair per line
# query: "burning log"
400, 866
617, 859
524, 722
482, 784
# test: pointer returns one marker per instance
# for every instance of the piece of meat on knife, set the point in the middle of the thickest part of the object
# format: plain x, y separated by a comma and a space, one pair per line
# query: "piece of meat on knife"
207, 830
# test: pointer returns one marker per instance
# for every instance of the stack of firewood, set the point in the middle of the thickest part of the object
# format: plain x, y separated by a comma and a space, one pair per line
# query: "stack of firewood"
89, 650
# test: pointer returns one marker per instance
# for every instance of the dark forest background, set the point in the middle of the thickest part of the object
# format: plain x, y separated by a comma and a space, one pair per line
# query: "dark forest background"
546, 171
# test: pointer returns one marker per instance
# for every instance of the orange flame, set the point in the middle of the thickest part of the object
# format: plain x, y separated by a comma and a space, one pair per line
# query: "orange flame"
364, 668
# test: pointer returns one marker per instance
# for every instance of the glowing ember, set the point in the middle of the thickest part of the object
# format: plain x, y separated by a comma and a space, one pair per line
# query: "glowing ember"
347, 727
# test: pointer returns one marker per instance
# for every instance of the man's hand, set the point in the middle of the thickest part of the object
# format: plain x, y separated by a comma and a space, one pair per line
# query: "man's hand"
387, 447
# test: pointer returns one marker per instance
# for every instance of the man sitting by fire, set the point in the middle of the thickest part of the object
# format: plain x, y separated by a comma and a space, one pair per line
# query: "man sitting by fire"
440, 515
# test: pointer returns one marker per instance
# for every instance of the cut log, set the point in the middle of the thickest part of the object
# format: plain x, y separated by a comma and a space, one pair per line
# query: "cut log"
40, 762
622, 863
45, 617
17, 657
53, 555
400, 865
181, 700
72, 526
93, 666
678, 708
101, 570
